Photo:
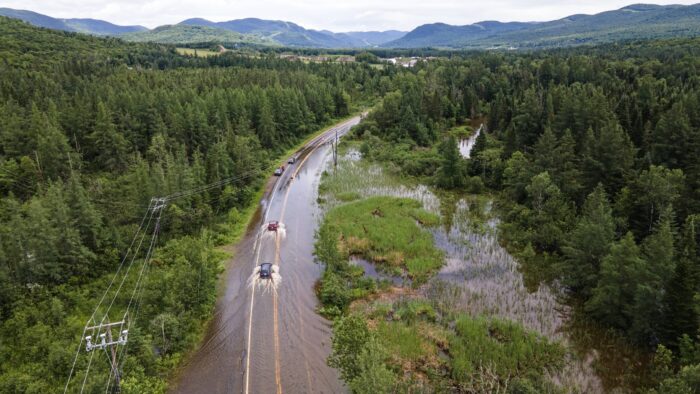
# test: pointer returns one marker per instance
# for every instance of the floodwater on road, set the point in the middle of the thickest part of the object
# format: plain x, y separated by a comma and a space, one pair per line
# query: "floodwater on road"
289, 342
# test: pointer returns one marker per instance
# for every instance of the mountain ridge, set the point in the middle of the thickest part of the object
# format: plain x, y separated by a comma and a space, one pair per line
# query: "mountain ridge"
291, 34
635, 21
77, 25
193, 34
629, 22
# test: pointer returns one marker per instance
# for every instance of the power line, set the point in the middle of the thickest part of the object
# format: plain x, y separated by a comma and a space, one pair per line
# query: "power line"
104, 295
138, 289
155, 205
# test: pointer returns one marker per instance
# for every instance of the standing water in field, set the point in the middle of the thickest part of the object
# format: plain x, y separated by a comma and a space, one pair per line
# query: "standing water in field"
466, 145
482, 279
479, 277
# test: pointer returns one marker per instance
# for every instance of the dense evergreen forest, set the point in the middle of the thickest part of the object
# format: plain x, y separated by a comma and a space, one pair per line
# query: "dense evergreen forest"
594, 153
90, 130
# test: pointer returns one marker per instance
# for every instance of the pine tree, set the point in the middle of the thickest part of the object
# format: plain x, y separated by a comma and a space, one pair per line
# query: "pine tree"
567, 173
451, 172
612, 301
608, 157
266, 126
658, 251
680, 301
109, 147
53, 154
545, 152
587, 244
671, 137
516, 176
551, 214
655, 190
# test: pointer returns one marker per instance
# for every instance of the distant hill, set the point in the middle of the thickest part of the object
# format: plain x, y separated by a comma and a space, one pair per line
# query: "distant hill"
88, 26
197, 30
285, 33
632, 22
291, 34
100, 28
637, 21
375, 38
185, 34
443, 35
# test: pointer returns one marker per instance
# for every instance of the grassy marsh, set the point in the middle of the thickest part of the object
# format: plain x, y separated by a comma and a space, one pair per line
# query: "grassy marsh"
386, 231
478, 280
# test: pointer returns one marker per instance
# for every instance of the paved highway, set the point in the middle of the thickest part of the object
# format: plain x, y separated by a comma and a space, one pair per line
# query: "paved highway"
265, 341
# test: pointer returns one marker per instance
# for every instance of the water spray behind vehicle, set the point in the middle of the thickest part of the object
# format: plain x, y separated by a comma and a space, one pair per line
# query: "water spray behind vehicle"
266, 277
274, 228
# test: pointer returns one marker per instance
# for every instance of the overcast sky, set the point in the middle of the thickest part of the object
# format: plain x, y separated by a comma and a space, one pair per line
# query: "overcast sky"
335, 15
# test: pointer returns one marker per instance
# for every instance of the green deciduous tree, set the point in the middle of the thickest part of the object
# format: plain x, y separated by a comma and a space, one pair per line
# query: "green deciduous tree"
374, 376
350, 337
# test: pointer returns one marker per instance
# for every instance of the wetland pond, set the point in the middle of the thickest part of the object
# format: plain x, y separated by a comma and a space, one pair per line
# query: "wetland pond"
480, 278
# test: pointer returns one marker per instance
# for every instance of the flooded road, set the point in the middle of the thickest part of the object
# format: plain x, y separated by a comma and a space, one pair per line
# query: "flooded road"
269, 338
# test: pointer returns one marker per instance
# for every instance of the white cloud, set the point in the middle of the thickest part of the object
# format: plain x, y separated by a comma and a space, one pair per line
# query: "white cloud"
338, 15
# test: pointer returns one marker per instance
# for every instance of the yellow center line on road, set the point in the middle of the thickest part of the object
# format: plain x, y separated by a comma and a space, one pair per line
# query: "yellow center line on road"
278, 377
274, 295
258, 246
319, 142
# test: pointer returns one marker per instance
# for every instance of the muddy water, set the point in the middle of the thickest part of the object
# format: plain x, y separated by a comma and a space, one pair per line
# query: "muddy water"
289, 341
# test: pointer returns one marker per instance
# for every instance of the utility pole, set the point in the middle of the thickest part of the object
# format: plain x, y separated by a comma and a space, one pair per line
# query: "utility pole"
335, 152
115, 367
104, 332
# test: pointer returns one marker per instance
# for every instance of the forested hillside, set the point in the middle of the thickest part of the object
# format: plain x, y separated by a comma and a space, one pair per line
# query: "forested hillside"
82, 25
251, 31
594, 155
90, 130
186, 34
637, 21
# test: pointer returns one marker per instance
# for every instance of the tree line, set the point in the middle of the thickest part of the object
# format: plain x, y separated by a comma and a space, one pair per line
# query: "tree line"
90, 130
594, 155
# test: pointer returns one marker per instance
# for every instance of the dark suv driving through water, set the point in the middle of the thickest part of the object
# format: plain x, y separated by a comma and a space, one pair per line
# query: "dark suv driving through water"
265, 271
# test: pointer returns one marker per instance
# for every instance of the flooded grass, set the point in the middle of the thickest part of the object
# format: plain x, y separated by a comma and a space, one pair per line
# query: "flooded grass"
479, 277
358, 179
467, 143
386, 231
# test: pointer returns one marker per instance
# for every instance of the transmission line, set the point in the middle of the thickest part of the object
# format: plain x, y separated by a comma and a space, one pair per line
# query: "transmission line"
154, 210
